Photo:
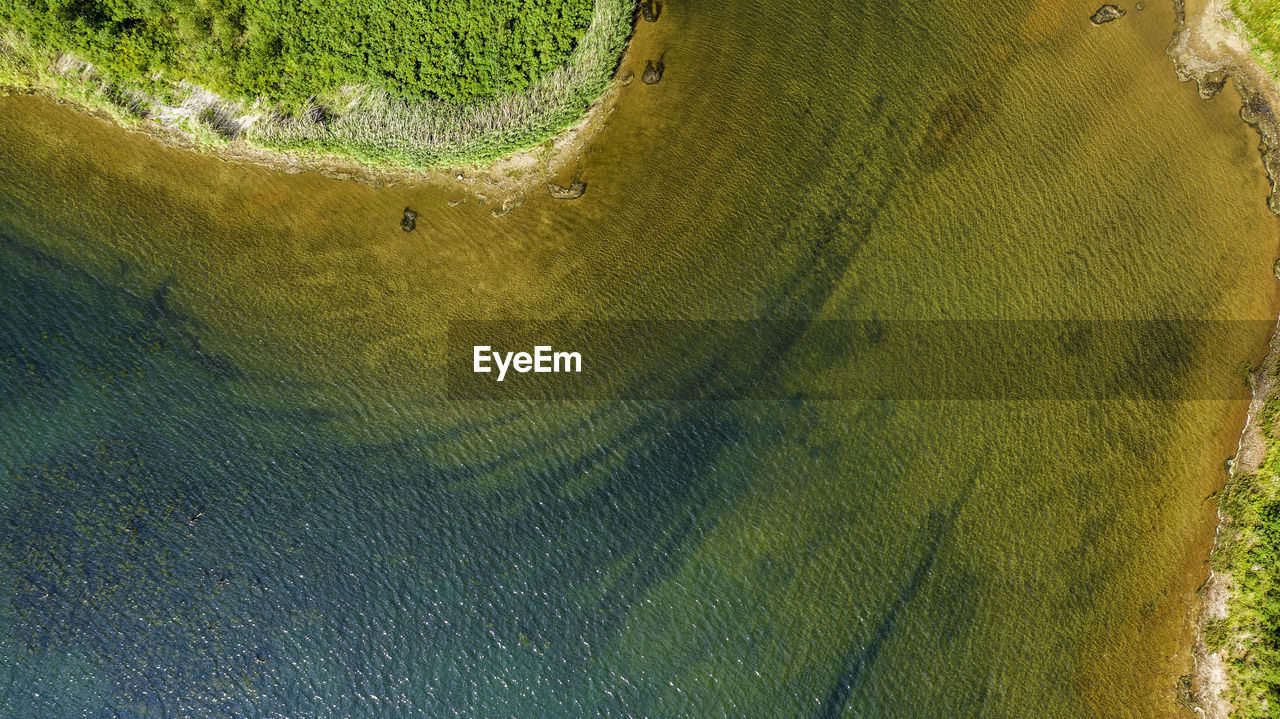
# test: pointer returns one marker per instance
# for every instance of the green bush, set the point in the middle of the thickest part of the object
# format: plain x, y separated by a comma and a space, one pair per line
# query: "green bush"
289, 50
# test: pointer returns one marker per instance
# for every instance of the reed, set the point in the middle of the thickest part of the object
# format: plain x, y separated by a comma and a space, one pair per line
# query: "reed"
380, 129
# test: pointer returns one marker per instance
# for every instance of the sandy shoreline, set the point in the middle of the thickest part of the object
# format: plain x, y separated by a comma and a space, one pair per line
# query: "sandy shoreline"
1210, 48
1211, 680
507, 180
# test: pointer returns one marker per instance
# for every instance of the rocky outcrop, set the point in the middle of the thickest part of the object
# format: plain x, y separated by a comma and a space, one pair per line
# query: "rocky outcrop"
650, 10
1105, 14
320, 115
572, 192
508, 205
409, 220
652, 73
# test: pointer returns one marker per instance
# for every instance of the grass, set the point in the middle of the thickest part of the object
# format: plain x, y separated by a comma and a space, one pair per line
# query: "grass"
1261, 20
24, 65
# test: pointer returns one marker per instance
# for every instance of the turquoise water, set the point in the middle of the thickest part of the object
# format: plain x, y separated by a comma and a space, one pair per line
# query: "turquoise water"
235, 484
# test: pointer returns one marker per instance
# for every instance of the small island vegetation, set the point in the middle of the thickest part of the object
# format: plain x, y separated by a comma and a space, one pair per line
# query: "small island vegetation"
389, 82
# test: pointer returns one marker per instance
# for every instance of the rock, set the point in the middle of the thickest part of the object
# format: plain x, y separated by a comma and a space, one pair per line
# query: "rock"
1187, 697
1276, 269
652, 73
1256, 105
572, 192
650, 10
1139, 7
409, 221
508, 205
1212, 83
320, 115
626, 79
1106, 13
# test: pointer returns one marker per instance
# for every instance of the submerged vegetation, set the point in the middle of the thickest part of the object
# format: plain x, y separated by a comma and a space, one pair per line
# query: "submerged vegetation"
392, 82
1248, 552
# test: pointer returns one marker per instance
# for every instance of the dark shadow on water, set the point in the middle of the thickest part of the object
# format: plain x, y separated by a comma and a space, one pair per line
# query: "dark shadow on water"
859, 658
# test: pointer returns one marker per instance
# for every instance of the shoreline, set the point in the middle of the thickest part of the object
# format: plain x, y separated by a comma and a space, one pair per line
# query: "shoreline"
507, 180
1211, 679
1206, 51
499, 158
1210, 47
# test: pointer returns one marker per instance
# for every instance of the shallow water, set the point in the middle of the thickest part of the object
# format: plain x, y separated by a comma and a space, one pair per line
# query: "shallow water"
235, 486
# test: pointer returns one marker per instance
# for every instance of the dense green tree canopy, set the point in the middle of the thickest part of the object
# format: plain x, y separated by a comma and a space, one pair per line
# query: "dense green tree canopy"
289, 50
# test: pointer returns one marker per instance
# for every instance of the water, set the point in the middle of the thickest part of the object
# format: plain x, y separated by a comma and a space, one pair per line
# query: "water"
235, 487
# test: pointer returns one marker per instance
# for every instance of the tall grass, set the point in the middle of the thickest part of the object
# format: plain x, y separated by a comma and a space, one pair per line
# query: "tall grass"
380, 129
26, 65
